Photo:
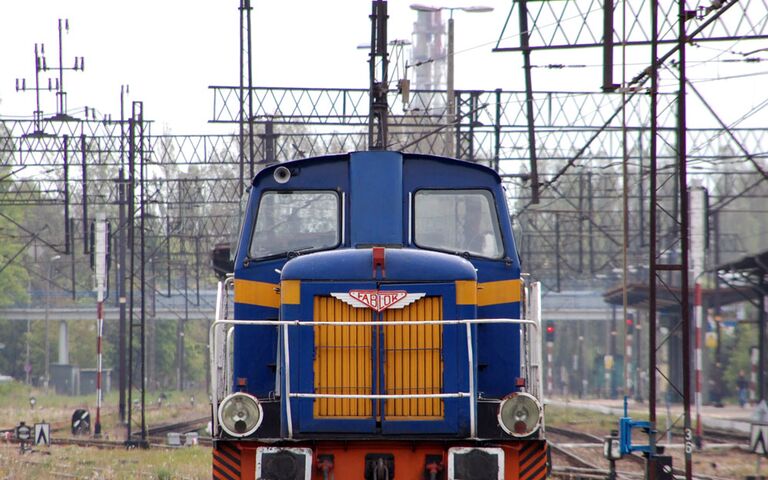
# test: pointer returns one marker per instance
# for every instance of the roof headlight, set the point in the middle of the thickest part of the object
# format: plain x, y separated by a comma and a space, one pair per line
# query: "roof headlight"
240, 414
520, 414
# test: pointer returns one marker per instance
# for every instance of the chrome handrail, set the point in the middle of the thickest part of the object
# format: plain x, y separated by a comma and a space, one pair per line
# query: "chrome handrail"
533, 312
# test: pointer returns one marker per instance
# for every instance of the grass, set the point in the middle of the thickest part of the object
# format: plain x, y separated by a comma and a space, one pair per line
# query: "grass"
76, 462
597, 422
61, 461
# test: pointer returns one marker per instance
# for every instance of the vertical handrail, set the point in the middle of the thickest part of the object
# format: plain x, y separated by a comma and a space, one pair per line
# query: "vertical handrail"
472, 399
229, 349
535, 312
287, 362
221, 299
525, 358
212, 359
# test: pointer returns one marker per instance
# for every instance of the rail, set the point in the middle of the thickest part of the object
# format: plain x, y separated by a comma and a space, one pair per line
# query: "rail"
221, 369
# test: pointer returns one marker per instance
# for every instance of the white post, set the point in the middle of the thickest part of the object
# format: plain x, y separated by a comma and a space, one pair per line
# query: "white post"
698, 206
100, 269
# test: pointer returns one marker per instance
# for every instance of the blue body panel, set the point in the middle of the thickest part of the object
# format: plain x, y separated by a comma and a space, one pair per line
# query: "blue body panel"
376, 180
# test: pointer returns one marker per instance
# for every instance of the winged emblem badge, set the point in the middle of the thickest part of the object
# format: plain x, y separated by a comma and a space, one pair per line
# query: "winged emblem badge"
378, 300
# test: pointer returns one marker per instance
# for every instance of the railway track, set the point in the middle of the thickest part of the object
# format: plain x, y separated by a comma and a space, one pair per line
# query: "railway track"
572, 464
725, 436
156, 434
184, 426
592, 467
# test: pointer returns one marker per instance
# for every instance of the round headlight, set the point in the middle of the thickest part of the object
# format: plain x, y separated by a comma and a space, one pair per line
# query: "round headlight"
240, 414
519, 414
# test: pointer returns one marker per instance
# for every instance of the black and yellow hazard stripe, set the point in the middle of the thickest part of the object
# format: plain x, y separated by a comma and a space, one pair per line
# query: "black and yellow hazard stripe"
533, 460
226, 461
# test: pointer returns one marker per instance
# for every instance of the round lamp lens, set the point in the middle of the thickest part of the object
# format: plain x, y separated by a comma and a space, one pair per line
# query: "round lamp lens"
240, 414
519, 414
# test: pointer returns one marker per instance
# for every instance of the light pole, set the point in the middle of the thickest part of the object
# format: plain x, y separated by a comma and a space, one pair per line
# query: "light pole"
450, 99
27, 365
47, 307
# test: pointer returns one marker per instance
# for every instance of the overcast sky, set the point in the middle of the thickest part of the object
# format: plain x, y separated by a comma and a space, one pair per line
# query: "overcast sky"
170, 51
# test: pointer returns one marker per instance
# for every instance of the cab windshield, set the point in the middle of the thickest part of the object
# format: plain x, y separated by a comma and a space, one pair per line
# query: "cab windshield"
460, 221
295, 222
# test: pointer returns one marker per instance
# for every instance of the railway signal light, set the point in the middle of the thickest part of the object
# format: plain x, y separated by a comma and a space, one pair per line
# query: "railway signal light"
549, 332
630, 323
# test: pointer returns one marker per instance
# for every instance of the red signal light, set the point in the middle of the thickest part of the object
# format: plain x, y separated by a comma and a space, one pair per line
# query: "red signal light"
549, 332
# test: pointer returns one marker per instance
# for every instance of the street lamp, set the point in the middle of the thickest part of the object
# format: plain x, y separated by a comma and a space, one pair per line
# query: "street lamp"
47, 378
450, 94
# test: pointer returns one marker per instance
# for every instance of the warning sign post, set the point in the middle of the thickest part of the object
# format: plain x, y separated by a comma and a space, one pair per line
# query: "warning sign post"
43, 434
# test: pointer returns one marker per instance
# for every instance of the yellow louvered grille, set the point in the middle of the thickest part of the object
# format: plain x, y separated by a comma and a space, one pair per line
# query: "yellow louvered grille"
343, 359
411, 356
413, 360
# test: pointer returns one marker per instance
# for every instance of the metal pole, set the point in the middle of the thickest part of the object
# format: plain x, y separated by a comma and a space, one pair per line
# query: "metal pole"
60, 93
39, 65
27, 365
685, 311
67, 237
63, 343
131, 240
142, 276
761, 341
652, 274
47, 377
378, 87
83, 156
241, 156
183, 326
523, 18
450, 93
100, 266
557, 250
251, 148
629, 324
121, 240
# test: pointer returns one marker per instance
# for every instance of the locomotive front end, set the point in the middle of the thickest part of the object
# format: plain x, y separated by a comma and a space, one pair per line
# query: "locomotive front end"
359, 349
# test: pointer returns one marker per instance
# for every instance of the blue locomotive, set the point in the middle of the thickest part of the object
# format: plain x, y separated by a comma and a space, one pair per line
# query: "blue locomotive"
381, 329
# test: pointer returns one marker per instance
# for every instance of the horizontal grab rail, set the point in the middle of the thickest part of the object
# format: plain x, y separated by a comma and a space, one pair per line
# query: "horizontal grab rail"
344, 396
311, 323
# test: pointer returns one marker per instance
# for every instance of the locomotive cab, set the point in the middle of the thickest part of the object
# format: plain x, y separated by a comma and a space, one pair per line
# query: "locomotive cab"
378, 327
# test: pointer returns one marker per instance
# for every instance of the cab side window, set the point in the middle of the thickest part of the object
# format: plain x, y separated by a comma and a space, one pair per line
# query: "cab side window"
295, 221
459, 221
